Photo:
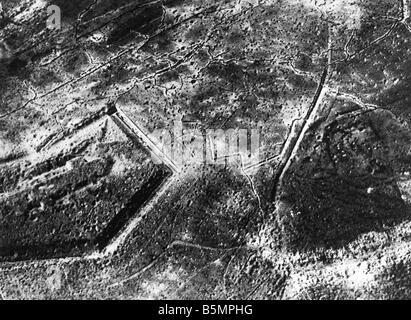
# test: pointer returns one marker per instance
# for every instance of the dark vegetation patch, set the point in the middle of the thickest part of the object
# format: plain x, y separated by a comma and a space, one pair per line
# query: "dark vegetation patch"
341, 187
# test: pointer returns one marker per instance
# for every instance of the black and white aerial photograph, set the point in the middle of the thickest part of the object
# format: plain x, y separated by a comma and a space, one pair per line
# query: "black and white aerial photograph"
205, 150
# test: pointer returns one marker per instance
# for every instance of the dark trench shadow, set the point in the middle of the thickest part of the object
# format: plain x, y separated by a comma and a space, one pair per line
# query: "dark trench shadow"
78, 247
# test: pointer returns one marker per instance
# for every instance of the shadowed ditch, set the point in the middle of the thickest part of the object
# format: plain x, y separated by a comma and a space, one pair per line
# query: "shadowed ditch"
136, 202
76, 247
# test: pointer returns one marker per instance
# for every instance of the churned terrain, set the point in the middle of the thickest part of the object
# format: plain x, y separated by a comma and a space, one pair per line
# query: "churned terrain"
92, 206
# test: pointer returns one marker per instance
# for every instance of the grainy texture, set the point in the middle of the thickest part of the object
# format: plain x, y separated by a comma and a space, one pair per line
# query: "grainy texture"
92, 206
